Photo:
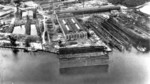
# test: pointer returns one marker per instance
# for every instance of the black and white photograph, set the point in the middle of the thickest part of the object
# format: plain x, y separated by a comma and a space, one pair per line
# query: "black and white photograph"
74, 41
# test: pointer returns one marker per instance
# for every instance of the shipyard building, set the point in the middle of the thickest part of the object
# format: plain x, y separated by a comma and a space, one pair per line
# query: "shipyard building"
25, 21
71, 29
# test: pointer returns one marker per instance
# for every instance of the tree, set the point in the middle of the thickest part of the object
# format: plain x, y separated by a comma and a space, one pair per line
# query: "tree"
133, 3
5, 1
128, 3
116, 1
12, 40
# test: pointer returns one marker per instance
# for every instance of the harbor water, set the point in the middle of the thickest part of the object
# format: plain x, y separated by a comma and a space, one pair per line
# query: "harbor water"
44, 68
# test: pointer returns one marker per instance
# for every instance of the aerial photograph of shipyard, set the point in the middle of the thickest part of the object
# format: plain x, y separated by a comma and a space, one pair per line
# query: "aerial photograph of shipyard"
74, 41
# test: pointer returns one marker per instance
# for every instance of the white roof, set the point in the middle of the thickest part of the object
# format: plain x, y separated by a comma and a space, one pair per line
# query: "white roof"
24, 14
30, 13
33, 29
19, 30
36, 45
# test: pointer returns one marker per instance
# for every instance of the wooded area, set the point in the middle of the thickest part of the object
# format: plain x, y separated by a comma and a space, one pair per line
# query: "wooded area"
129, 3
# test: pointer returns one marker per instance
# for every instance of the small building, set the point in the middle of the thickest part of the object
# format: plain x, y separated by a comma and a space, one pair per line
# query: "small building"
30, 13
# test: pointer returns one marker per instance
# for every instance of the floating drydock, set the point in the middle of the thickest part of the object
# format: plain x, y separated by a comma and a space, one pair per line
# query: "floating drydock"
90, 51
75, 50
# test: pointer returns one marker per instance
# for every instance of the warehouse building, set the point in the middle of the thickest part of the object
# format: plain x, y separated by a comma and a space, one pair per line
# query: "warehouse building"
71, 29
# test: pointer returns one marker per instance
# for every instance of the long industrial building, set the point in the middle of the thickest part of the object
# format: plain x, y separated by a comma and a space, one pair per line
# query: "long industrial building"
71, 28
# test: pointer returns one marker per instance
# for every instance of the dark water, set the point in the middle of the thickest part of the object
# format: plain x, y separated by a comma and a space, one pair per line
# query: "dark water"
43, 68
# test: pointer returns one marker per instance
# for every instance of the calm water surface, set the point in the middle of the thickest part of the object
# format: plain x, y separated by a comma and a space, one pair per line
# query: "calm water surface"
43, 68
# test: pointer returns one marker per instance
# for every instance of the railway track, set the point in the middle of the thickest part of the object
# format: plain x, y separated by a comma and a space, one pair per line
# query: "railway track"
115, 35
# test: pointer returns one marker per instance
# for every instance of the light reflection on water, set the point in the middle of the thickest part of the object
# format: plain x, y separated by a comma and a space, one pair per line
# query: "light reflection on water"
43, 68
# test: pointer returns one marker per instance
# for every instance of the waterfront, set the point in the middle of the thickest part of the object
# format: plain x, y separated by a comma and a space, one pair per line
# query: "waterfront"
43, 68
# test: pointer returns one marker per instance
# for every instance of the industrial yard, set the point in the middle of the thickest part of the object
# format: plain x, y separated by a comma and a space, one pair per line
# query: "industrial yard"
74, 41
